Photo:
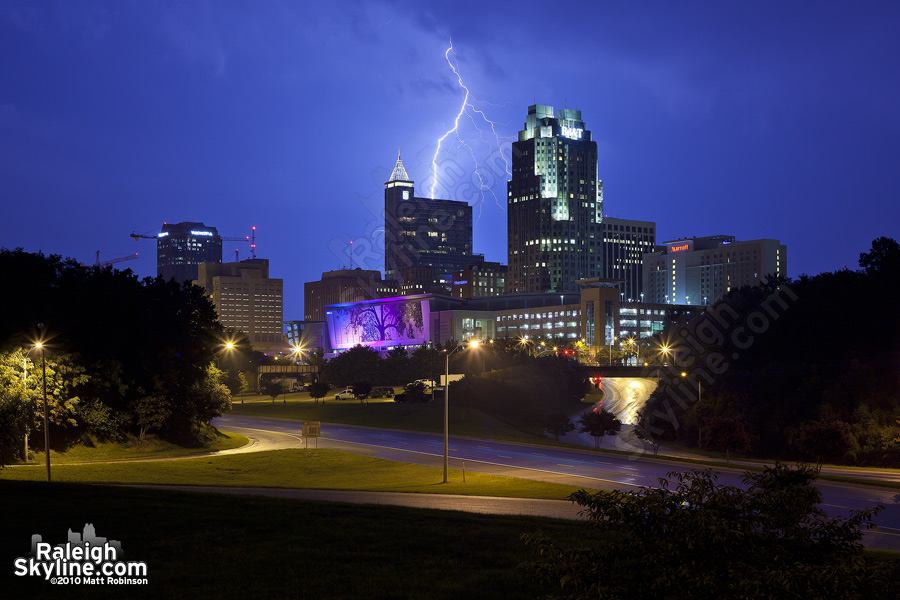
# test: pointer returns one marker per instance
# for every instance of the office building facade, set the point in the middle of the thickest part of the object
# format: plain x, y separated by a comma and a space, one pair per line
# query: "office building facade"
247, 300
480, 280
424, 239
625, 241
182, 247
700, 270
344, 285
555, 204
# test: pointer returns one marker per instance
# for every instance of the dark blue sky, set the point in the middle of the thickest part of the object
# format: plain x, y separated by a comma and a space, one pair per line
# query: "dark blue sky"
763, 119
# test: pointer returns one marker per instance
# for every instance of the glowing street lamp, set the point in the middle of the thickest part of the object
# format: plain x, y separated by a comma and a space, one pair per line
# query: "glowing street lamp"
40, 346
472, 344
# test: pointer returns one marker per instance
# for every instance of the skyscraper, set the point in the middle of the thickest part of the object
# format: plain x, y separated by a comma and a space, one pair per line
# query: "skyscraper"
625, 241
555, 204
181, 247
424, 238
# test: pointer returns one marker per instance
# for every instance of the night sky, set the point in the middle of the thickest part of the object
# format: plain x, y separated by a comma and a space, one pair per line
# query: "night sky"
773, 119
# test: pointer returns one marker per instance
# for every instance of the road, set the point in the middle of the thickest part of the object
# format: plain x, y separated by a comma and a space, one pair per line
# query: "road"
569, 466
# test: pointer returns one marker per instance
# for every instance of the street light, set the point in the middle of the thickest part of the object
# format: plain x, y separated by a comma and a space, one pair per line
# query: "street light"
40, 346
473, 344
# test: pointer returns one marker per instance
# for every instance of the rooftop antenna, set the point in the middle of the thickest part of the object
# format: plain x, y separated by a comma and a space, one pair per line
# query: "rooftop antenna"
351, 245
253, 242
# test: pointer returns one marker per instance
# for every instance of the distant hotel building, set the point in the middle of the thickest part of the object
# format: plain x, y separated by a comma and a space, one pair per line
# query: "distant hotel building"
479, 280
344, 285
246, 299
625, 242
555, 204
425, 239
181, 247
699, 271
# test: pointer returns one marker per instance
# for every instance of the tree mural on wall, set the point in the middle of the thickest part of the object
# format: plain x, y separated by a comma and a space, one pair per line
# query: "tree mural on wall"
385, 322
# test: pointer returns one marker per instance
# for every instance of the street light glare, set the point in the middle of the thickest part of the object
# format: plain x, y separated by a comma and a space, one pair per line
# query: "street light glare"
473, 344
229, 345
38, 345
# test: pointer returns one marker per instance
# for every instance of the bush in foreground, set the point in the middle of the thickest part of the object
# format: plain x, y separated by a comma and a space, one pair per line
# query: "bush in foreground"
703, 540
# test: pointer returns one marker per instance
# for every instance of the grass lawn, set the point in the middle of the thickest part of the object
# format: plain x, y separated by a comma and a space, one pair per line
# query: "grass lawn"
219, 546
385, 413
151, 447
332, 469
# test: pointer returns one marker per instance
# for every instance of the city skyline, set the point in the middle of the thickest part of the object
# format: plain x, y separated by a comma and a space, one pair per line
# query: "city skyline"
709, 120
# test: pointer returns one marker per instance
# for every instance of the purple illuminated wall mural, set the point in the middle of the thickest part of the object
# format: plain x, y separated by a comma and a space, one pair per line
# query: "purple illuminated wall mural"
389, 323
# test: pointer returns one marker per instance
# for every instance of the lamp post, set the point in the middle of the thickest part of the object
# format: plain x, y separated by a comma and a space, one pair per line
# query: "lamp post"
40, 346
664, 350
610, 349
473, 344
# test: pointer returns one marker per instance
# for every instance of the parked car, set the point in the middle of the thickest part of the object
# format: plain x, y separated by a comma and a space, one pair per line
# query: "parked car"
428, 383
347, 394
382, 392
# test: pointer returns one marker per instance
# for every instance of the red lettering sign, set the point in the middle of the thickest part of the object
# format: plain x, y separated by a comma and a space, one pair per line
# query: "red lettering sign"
679, 248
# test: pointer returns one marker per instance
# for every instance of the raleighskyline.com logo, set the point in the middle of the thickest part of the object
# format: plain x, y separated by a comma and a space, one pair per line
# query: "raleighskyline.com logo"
84, 559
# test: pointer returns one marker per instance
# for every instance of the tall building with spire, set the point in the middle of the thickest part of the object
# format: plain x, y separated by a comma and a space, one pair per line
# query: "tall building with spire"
555, 204
425, 239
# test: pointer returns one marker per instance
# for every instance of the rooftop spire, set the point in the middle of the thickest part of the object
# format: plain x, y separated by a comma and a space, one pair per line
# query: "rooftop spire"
399, 173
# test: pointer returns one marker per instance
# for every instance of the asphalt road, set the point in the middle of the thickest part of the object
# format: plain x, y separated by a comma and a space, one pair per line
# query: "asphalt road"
574, 467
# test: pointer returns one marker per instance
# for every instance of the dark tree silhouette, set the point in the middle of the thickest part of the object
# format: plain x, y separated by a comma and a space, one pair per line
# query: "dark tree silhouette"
599, 423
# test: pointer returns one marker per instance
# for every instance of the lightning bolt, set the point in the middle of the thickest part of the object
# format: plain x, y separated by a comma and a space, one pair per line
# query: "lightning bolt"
455, 127
470, 110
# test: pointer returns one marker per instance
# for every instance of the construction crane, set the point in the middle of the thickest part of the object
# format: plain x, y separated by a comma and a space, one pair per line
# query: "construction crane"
112, 261
247, 238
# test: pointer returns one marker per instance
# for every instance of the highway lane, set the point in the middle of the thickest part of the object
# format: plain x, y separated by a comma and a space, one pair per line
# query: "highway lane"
570, 466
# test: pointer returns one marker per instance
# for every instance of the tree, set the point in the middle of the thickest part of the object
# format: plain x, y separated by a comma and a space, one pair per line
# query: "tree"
151, 412
724, 434
882, 257
359, 362
414, 393
642, 434
272, 387
824, 440
396, 366
243, 385
704, 540
599, 423
318, 389
559, 424
362, 389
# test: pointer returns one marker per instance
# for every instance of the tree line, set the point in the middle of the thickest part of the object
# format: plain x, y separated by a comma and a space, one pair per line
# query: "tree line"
820, 383
123, 356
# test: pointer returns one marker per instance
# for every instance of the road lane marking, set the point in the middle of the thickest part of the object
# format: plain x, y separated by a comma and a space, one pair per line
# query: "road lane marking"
487, 462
